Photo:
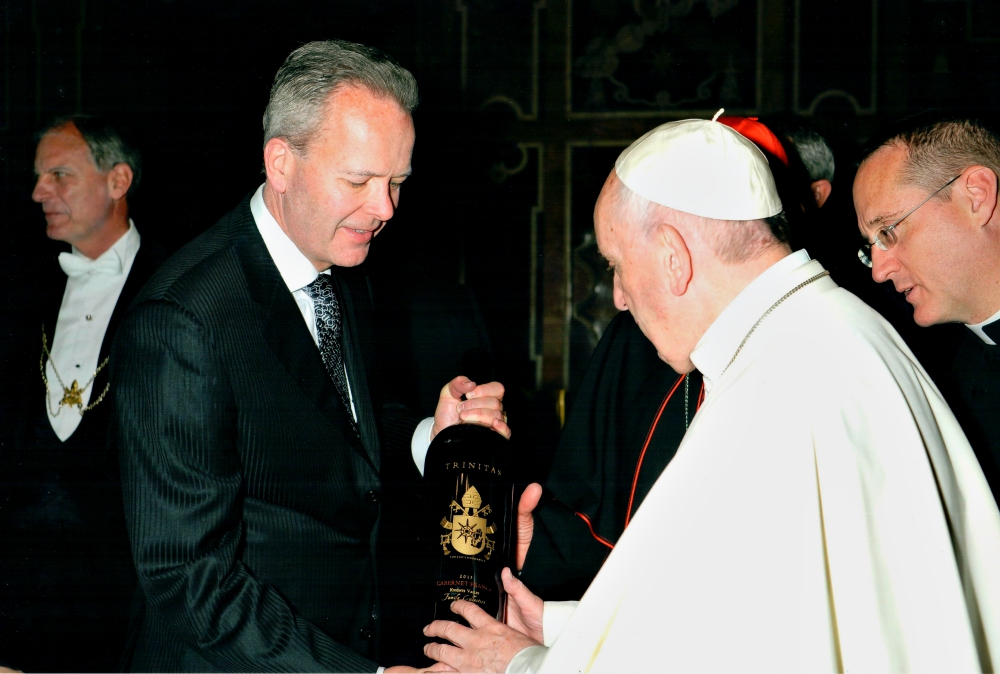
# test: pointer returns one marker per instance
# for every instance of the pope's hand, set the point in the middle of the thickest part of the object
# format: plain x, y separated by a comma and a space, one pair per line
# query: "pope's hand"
483, 405
526, 521
488, 647
524, 609
436, 667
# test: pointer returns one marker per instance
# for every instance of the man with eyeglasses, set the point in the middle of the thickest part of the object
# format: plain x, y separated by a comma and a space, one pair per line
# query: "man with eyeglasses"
926, 200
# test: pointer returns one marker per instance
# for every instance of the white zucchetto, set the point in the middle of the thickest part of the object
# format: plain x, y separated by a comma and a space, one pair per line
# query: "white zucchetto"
703, 168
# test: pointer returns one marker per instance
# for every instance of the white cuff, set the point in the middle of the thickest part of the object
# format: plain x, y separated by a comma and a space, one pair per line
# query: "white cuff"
527, 660
421, 442
555, 615
380, 670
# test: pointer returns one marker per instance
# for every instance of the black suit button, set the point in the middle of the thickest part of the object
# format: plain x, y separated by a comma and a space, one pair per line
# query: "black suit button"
365, 633
373, 496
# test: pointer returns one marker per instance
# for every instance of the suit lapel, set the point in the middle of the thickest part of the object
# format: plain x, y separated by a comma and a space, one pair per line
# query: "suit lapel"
147, 259
284, 330
352, 291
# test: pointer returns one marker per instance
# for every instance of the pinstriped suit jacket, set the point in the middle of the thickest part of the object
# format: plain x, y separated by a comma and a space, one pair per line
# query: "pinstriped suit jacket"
252, 508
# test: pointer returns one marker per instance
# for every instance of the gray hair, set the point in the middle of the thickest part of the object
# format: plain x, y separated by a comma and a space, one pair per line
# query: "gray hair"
305, 81
815, 154
939, 151
107, 146
732, 241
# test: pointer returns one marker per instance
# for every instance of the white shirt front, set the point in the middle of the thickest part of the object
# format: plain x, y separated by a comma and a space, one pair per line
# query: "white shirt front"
298, 272
824, 512
91, 294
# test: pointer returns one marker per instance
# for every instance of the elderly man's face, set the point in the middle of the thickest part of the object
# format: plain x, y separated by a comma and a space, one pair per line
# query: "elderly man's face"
930, 262
639, 286
346, 185
75, 195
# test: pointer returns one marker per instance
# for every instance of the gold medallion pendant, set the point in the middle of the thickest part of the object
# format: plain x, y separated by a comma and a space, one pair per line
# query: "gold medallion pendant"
73, 394
470, 532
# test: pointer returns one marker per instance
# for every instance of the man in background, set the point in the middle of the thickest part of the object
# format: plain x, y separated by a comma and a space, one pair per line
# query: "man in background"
66, 571
926, 200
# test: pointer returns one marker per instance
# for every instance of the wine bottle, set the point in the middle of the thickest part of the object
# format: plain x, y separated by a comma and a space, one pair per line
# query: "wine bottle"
472, 493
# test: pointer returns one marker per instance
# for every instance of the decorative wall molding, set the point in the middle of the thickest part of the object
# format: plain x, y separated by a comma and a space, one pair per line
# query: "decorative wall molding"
462, 7
809, 108
570, 309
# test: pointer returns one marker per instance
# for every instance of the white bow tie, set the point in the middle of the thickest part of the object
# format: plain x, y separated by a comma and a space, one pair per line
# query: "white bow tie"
76, 265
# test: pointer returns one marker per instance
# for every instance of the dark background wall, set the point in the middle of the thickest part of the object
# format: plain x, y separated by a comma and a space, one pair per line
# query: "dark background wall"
525, 104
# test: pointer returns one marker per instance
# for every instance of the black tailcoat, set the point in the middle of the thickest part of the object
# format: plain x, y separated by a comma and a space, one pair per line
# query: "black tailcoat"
595, 462
66, 575
252, 506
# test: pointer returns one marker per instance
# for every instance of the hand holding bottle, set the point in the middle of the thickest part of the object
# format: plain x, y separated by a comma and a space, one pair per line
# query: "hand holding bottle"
462, 401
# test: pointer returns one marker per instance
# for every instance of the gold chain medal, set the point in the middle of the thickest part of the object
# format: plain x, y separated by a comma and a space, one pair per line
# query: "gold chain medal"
467, 479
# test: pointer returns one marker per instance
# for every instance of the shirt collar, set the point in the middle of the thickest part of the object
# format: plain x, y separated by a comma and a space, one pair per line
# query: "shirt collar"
716, 347
295, 268
980, 333
121, 251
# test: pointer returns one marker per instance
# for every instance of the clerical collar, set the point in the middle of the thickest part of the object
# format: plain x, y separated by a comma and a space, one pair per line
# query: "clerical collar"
295, 268
988, 330
716, 347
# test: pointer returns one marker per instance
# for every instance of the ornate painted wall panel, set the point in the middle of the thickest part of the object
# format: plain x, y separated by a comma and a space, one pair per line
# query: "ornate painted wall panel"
656, 57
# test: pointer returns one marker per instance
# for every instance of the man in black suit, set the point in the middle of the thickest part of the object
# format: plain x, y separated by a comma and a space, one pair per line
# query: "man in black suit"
927, 201
248, 398
66, 572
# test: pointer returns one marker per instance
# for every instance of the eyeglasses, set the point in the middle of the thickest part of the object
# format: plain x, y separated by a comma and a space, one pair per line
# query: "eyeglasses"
886, 238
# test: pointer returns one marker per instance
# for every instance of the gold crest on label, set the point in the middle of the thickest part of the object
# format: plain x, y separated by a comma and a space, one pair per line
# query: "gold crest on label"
470, 532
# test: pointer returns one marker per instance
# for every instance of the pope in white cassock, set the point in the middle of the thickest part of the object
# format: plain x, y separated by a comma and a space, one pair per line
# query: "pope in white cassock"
824, 511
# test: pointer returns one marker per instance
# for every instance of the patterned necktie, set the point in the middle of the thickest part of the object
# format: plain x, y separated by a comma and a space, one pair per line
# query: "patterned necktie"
328, 328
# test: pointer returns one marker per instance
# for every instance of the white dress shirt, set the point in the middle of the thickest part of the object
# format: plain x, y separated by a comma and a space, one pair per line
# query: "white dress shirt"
824, 512
978, 328
91, 294
298, 272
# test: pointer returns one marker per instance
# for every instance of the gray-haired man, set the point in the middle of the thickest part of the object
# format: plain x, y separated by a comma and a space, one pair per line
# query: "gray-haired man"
248, 399
67, 578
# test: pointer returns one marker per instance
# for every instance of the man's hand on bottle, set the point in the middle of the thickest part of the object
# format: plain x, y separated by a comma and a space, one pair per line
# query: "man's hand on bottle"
526, 521
489, 645
482, 404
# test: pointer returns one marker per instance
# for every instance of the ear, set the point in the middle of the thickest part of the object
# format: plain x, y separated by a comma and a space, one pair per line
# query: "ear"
675, 258
278, 163
119, 180
980, 186
821, 191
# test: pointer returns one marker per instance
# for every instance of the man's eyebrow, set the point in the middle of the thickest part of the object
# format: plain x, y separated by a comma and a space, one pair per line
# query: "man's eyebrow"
50, 169
376, 174
884, 217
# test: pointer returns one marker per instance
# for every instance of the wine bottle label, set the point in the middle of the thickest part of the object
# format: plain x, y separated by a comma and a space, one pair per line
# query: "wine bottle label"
465, 588
470, 532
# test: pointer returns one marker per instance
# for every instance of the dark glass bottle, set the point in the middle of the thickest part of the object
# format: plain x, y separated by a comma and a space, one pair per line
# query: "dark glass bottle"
471, 492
